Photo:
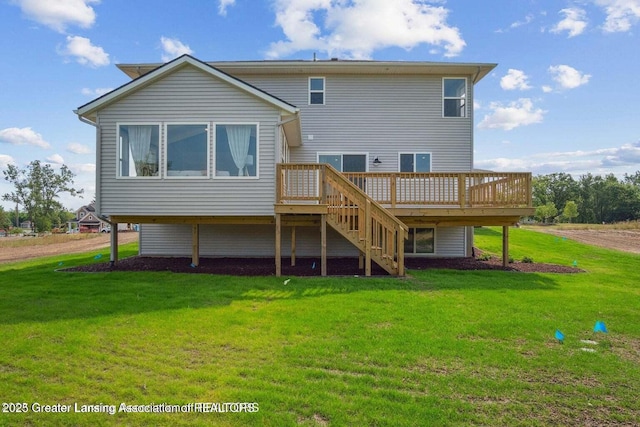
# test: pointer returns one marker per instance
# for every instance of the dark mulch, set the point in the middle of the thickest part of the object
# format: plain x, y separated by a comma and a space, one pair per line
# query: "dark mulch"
309, 266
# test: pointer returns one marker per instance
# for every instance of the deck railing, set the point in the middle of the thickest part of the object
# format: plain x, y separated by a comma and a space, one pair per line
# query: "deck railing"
299, 183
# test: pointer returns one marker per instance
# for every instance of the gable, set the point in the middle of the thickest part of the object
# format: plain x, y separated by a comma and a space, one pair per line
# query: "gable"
89, 110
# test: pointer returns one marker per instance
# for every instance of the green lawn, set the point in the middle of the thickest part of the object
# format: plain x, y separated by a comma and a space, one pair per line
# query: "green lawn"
437, 348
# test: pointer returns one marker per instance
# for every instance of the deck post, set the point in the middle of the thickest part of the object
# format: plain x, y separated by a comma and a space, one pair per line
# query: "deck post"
367, 239
505, 245
113, 254
400, 250
278, 245
195, 245
323, 244
293, 246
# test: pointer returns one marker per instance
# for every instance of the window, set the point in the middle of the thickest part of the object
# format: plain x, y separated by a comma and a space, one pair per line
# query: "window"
454, 97
420, 241
236, 150
345, 162
187, 150
415, 162
138, 154
316, 90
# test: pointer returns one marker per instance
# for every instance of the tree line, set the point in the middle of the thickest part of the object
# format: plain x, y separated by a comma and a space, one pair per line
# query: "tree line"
589, 199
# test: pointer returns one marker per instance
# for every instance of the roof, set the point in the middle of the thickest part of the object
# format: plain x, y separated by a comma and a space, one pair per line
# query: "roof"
333, 66
88, 111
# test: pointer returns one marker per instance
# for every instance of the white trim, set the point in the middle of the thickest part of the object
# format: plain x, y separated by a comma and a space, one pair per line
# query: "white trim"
323, 91
465, 97
257, 157
165, 143
118, 145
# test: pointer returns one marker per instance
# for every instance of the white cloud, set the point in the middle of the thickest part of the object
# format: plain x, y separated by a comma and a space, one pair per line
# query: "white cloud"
77, 148
56, 159
622, 159
621, 14
547, 89
172, 48
58, 14
515, 79
222, 7
568, 77
83, 168
356, 29
85, 53
23, 136
6, 160
96, 92
517, 113
574, 22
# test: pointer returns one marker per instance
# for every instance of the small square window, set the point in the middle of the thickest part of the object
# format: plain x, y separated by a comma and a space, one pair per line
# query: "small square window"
415, 162
420, 241
138, 150
316, 90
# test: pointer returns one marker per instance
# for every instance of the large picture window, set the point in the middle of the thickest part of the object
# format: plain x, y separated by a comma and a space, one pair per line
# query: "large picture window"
139, 148
415, 162
454, 97
236, 150
420, 241
187, 150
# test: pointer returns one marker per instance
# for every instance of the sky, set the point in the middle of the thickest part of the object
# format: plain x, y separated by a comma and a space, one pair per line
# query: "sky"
560, 99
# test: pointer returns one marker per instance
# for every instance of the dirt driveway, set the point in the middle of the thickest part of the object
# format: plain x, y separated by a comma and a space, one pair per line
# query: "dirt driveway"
622, 240
85, 245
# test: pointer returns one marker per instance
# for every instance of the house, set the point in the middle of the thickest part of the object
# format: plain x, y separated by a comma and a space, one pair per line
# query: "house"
87, 220
302, 158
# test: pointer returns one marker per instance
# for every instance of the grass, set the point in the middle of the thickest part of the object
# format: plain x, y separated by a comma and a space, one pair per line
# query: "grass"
627, 225
438, 348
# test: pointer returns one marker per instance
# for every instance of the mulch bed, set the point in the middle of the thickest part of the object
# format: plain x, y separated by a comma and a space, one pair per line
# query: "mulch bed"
309, 266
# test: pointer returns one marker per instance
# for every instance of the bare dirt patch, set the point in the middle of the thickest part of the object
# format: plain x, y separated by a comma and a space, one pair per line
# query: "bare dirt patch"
621, 240
37, 250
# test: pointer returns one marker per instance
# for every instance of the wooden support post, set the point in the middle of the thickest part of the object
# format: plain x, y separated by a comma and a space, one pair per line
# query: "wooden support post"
278, 246
505, 246
113, 256
462, 190
400, 250
368, 238
323, 244
195, 245
293, 246
360, 260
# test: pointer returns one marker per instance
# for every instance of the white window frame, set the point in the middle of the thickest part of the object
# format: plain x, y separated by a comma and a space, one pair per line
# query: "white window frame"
165, 142
414, 154
214, 130
119, 145
323, 91
343, 153
465, 98
423, 254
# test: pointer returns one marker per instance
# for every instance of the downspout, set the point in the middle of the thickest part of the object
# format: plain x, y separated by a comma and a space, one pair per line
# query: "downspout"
469, 232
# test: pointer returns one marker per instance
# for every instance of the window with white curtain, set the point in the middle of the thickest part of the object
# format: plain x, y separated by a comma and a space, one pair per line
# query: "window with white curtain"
236, 150
138, 150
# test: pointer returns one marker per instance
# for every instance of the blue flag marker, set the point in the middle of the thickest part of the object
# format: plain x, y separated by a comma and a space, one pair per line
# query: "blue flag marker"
98, 256
559, 336
575, 263
600, 327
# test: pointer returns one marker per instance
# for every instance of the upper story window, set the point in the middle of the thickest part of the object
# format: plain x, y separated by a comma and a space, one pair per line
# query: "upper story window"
454, 91
187, 150
316, 90
236, 150
415, 162
138, 150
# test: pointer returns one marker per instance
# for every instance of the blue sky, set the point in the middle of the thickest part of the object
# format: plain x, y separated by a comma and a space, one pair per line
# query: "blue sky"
560, 100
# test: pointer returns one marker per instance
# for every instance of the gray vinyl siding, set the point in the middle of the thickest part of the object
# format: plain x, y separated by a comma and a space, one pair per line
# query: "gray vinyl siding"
188, 95
381, 115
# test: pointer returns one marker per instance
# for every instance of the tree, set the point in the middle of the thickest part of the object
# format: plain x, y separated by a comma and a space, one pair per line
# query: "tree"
570, 210
546, 212
5, 222
37, 188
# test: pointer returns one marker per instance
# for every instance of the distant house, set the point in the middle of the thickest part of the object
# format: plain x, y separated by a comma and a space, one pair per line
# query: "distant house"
87, 220
307, 158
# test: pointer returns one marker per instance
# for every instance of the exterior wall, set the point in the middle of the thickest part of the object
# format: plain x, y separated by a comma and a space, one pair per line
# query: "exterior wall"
259, 241
378, 115
188, 95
